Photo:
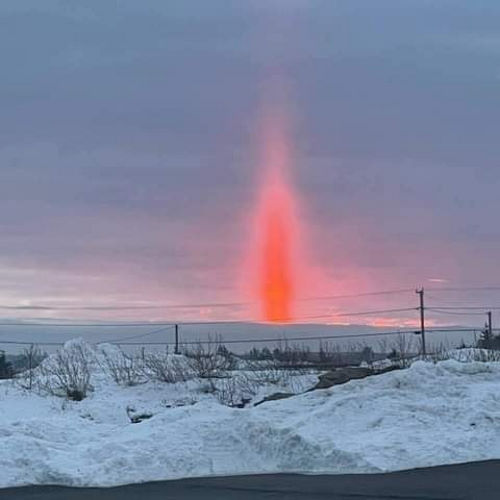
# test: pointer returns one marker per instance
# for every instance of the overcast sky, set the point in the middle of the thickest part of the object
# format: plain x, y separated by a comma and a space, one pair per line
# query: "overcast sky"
129, 145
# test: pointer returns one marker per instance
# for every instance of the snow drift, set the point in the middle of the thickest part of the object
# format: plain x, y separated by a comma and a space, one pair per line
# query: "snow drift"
429, 414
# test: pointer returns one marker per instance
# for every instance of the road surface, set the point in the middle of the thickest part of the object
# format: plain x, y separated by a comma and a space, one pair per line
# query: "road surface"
477, 481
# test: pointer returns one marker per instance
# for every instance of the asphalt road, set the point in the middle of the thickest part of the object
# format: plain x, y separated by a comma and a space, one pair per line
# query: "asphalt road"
478, 481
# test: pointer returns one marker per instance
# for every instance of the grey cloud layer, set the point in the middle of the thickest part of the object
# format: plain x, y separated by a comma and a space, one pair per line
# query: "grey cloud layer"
120, 119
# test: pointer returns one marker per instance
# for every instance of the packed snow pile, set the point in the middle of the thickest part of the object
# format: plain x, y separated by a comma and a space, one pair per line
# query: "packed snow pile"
142, 428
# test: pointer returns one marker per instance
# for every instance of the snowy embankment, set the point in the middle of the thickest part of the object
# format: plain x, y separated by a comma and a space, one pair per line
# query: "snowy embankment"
426, 415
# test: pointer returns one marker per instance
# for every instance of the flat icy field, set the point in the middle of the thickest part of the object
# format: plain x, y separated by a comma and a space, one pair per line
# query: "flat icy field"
428, 414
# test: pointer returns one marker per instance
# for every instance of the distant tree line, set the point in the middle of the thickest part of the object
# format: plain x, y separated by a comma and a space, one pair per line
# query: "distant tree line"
6, 369
10, 365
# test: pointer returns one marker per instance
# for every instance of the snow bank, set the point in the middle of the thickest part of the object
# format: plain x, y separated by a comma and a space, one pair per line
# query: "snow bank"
426, 415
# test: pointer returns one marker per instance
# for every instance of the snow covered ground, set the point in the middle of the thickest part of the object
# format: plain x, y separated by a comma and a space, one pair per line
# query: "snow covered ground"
429, 414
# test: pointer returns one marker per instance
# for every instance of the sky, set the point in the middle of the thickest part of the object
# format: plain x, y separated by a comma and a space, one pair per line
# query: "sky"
133, 152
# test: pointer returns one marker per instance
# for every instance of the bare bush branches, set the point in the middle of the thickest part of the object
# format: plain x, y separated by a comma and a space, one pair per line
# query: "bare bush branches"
403, 349
269, 371
229, 392
329, 353
164, 367
239, 389
31, 358
210, 360
124, 369
468, 355
67, 373
291, 355
484, 355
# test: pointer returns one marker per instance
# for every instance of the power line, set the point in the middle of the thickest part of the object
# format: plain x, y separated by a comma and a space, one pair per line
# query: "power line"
119, 308
94, 325
322, 337
299, 318
164, 326
39, 307
277, 340
112, 341
363, 294
381, 311
457, 313
471, 308
29, 323
466, 289
16, 342
203, 322
45, 307
330, 316
267, 340
142, 335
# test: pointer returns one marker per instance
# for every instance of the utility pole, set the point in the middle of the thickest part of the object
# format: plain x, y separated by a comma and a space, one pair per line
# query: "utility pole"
422, 319
176, 339
490, 331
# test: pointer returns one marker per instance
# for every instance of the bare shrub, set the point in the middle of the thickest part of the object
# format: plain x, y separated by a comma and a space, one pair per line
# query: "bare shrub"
443, 351
292, 356
383, 346
208, 362
164, 367
403, 349
237, 391
124, 369
248, 384
474, 354
329, 353
228, 393
31, 358
333, 355
231, 360
240, 389
486, 355
67, 373
265, 372
367, 355
439, 351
